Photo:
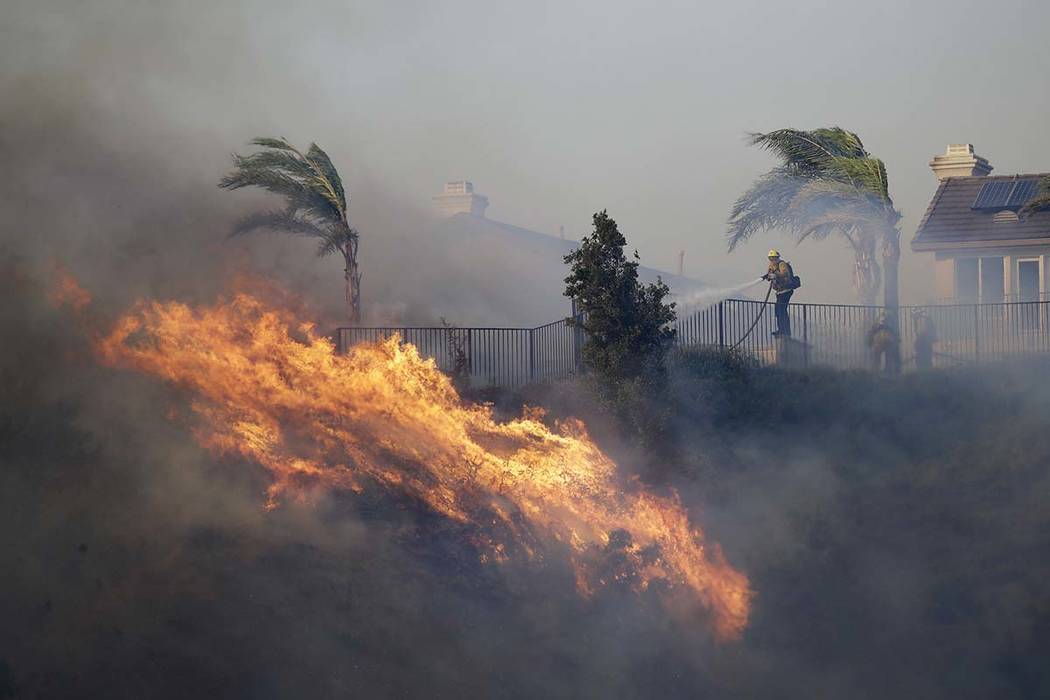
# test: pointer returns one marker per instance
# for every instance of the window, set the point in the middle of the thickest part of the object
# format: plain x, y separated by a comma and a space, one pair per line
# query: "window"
979, 280
1028, 286
966, 280
992, 278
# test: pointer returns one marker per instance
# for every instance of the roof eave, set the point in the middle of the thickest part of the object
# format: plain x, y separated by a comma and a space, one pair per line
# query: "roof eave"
919, 246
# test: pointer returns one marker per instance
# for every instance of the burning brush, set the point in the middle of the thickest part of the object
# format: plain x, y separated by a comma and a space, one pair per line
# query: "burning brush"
383, 415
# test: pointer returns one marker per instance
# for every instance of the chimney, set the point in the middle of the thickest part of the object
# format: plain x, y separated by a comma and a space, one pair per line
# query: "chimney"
959, 160
459, 198
681, 262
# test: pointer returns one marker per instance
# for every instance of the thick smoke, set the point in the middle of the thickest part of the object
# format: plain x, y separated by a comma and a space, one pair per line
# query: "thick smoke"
118, 131
139, 565
895, 535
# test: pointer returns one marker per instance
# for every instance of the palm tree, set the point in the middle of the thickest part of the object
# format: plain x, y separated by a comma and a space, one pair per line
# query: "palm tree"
1040, 201
826, 184
315, 203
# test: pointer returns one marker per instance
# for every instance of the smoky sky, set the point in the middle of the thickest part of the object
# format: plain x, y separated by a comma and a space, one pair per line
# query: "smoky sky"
554, 110
143, 566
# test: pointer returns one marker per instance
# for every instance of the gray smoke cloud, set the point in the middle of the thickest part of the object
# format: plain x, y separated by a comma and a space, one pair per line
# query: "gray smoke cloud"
143, 566
121, 119
896, 539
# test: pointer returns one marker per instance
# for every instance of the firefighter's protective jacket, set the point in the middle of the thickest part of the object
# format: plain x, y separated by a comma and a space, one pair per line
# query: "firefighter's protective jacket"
782, 276
882, 338
925, 331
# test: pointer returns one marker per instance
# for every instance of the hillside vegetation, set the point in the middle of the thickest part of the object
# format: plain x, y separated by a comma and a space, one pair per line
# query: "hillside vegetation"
895, 532
896, 529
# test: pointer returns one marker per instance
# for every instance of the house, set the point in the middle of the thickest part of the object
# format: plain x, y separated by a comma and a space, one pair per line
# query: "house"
983, 251
505, 274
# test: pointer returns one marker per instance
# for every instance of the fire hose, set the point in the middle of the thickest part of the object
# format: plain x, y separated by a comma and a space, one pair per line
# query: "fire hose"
765, 303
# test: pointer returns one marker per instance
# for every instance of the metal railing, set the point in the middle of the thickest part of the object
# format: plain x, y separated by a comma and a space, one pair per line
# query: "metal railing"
507, 357
829, 335
839, 335
992, 299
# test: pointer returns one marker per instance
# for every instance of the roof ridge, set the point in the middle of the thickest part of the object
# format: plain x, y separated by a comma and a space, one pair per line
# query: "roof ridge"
549, 239
995, 177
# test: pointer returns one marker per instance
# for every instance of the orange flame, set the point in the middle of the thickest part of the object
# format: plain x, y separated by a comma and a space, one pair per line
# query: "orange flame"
65, 291
383, 414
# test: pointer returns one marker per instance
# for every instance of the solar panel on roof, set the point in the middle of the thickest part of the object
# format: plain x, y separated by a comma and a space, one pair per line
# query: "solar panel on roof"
1005, 194
1023, 191
993, 195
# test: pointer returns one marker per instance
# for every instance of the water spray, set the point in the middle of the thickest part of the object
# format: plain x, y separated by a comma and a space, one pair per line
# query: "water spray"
700, 300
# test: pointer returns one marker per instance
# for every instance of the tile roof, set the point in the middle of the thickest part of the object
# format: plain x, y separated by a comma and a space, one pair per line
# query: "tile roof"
552, 248
950, 222
499, 274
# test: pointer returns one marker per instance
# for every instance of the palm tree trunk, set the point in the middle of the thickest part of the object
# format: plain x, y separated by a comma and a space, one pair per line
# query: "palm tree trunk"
348, 291
355, 283
352, 280
866, 276
891, 259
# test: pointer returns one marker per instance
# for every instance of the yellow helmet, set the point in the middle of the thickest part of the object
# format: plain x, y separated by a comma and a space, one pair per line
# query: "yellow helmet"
773, 253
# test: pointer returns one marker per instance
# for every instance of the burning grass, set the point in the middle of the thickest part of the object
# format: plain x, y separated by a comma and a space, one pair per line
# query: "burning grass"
383, 415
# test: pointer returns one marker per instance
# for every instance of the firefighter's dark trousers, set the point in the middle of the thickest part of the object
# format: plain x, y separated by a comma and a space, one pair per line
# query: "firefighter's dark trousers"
781, 311
923, 353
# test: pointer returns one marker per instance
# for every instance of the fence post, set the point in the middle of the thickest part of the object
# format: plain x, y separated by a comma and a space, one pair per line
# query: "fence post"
470, 352
805, 338
976, 337
577, 349
721, 324
532, 372
577, 341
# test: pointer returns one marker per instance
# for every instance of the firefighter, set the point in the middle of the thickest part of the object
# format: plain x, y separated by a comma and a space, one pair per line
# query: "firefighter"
925, 337
884, 345
784, 283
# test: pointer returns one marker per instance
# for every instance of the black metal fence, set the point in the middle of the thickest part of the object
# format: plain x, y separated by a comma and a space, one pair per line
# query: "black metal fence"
842, 336
487, 356
831, 335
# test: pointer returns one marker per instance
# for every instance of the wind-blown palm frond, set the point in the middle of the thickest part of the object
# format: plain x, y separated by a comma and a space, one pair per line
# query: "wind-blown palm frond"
281, 161
764, 206
802, 206
854, 227
826, 183
249, 172
809, 151
276, 221
280, 144
1040, 201
831, 200
866, 175
327, 176
315, 201
817, 194
334, 243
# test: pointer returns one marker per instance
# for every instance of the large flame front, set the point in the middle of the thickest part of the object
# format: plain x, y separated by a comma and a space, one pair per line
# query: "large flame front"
381, 413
